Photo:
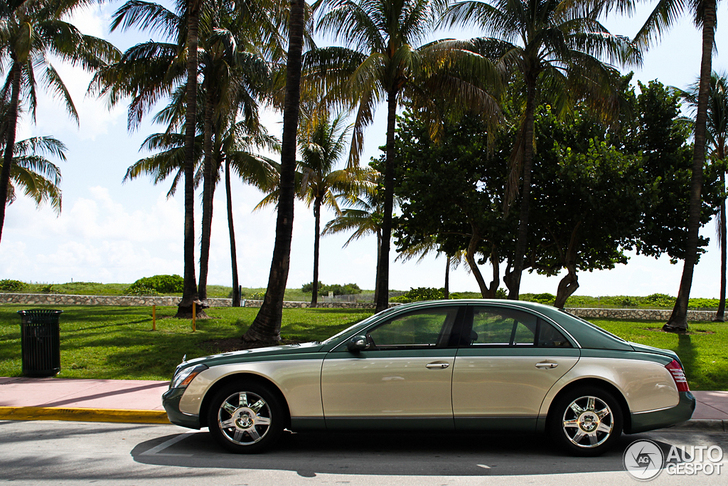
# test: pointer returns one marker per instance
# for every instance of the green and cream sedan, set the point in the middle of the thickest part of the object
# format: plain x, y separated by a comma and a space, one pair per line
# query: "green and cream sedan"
456, 365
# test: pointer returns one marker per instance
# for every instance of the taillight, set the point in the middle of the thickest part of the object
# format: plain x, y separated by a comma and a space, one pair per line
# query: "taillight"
678, 374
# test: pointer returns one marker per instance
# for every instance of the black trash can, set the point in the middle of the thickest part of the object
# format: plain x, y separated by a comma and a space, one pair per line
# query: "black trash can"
40, 339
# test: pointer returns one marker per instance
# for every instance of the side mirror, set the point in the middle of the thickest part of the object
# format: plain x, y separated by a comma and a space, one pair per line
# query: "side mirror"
357, 343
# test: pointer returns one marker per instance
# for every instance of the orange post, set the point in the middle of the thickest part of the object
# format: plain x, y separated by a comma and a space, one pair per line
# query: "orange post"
154, 318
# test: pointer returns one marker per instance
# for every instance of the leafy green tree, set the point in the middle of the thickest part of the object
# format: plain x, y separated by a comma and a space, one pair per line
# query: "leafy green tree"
666, 13
30, 33
452, 194
660, 134
557, 48
388, 61
581, 184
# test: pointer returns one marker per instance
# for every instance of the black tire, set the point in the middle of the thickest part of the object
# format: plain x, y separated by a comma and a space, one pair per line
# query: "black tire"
245, 417
586, 421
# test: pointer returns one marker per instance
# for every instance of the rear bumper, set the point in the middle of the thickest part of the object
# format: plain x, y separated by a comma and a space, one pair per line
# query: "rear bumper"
170, 401
682, 412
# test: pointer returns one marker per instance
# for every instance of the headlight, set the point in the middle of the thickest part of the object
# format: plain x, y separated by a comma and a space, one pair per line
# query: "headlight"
185, 377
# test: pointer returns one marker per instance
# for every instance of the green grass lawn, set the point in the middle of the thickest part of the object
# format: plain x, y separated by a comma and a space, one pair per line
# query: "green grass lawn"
119, 343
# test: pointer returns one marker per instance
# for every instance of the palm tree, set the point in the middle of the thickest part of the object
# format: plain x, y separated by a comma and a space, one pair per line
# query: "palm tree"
37, 176
665, 13
30, 32
233, 150
364, 217
556, 48
717, 134
389, 62
232, 80
266, 327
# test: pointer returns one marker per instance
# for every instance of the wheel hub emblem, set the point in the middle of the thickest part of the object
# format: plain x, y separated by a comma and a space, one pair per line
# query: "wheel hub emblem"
244, 420
588, 422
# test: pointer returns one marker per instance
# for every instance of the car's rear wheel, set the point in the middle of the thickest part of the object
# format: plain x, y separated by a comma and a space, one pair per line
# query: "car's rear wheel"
245, 417
586, 421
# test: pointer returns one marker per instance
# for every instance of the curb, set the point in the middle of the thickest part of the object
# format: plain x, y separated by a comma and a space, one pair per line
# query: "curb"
84, 415
704, 424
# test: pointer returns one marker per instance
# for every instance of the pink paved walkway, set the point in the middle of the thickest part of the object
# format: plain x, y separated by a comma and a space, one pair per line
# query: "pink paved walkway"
70, 393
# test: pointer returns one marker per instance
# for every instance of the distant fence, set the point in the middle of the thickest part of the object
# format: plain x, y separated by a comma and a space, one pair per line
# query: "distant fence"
132, 300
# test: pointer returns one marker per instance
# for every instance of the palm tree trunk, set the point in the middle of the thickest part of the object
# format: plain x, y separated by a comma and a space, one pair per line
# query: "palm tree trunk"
522, 236
720, 315
231, 232
208, 193
266, 327
679, 319
447, 277
383, 263
189, 292
11, 127
316, 249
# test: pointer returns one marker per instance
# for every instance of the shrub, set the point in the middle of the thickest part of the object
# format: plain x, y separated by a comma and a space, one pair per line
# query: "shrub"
138, 289
346, 289
545, 298
419, 294
308, 288
163, 284
12, 286
660, 300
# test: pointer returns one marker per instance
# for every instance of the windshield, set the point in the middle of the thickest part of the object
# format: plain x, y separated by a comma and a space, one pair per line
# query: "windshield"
360, 323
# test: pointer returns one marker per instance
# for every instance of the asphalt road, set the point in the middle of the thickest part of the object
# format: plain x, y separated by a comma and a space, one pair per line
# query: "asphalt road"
103, 453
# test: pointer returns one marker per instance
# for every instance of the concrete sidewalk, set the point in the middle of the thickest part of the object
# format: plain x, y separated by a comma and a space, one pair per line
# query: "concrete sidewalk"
141, 401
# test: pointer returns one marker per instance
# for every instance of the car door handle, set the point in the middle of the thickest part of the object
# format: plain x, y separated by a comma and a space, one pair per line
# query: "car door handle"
437, 365
546, 365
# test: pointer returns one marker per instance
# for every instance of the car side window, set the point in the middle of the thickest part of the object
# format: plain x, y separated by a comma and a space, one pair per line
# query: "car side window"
508, 327
421, 329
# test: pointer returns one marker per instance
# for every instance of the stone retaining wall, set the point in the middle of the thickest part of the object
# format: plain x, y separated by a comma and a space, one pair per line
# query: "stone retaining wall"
128, 300
149, 300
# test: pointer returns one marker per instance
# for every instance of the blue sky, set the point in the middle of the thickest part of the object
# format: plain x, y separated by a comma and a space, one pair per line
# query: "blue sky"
114, 232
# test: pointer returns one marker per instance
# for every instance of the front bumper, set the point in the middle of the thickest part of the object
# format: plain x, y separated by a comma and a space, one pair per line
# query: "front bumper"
682, 412
170, 401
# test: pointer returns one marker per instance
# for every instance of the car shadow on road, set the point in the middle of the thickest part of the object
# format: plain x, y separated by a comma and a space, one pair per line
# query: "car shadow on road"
407, 454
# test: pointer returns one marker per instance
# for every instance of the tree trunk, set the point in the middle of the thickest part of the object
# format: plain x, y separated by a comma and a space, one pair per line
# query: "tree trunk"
447, 277
231, 232
382, 301
514, 282
316, 242
679, 319
485, 291
567, 286
189, 293
266, 328
720, 315
208, 192
11, 127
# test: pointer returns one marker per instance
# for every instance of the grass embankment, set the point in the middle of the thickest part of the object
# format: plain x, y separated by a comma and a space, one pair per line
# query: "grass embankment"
119, 343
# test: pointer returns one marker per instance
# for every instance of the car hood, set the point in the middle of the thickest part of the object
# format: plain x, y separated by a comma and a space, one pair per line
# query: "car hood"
257, 354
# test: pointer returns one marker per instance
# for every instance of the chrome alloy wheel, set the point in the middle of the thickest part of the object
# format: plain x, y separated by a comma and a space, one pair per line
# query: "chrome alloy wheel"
588, 422
244, 418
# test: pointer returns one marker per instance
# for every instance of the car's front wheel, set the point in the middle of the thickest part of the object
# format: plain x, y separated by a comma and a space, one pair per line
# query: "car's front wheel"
245, 417
586, 421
